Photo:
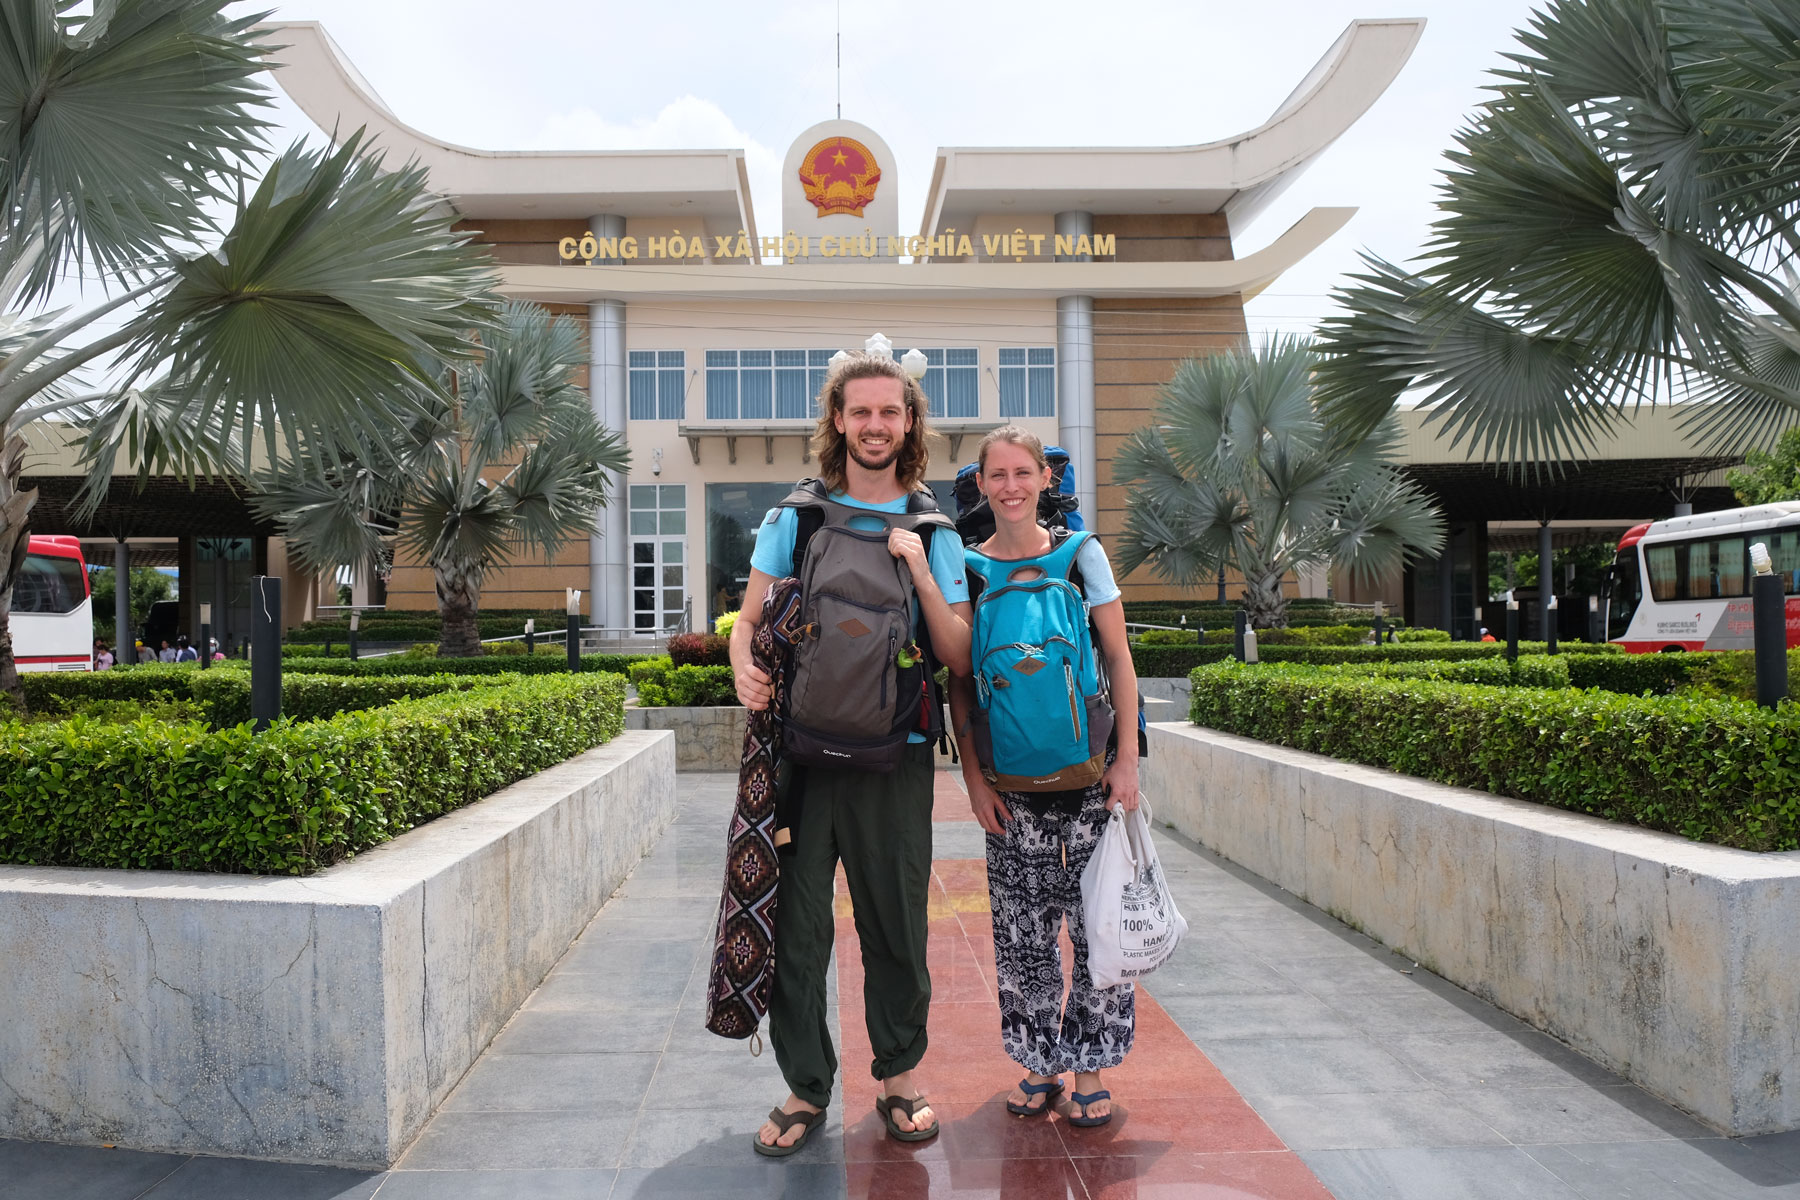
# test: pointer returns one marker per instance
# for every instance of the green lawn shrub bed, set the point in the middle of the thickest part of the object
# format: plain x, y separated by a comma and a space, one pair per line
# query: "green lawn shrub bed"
1719, 771
497, 664
662, 684
289, 801
1173, 662
423, 626
1221, 616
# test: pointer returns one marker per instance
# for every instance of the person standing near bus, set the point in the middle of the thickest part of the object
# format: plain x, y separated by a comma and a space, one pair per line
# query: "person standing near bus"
103, 659
1038, 842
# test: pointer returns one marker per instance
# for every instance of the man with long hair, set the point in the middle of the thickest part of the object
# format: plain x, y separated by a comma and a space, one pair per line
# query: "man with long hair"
872, 455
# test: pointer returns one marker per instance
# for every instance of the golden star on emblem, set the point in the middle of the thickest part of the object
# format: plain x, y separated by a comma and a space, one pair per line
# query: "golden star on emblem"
840, 158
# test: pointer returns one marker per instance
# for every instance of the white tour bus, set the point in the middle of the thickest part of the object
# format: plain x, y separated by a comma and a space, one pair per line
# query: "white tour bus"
1684, 583
53, 608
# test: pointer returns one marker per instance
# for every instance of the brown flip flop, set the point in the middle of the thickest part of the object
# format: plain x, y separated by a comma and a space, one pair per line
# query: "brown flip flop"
783, 1122
886, 1105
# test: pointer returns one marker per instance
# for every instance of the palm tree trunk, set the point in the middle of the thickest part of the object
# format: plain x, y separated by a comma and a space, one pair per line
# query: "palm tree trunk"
15, 529
1264, 603
459, 599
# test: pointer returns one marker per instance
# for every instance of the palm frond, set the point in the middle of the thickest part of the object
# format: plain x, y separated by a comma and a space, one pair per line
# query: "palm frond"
116, 131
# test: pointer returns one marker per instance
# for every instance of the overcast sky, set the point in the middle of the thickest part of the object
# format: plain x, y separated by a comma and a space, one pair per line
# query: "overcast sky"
557, 74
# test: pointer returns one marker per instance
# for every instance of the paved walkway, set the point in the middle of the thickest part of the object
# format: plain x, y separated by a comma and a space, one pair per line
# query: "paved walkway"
1279, 1055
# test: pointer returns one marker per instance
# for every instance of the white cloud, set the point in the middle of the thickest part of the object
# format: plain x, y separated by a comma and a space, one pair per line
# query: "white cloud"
685, 123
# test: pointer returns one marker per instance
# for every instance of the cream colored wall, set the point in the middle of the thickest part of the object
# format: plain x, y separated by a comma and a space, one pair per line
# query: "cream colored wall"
712, 325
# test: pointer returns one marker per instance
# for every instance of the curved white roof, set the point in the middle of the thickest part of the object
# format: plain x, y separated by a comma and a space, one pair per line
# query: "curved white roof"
514, 183
1237, 176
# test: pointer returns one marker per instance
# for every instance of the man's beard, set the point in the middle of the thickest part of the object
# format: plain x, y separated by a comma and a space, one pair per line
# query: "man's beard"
874, 464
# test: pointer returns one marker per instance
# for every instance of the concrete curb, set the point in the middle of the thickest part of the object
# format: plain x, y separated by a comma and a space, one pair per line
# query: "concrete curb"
319, 1019
1671, 962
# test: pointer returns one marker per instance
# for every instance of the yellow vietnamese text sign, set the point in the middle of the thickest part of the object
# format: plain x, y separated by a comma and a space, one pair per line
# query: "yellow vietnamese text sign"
588, 249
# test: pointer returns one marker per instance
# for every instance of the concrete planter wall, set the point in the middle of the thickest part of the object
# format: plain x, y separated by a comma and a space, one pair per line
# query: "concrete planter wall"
1674, 963
319, 1019
706, 739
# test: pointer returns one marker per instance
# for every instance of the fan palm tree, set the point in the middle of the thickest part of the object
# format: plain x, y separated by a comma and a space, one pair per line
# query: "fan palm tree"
1243, 470
310, 317
506, 457
1618, 224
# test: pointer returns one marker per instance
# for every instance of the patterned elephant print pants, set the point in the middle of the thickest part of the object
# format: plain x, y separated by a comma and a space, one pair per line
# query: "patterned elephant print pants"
1034, 883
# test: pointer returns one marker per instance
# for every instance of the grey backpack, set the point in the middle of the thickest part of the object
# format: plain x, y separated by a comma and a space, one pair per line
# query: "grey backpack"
855, 689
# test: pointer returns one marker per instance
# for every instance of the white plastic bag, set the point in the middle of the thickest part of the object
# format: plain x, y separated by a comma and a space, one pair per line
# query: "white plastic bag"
1132, 922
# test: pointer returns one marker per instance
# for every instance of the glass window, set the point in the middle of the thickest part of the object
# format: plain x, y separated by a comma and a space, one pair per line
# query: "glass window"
1701, 569
656, 385
1028, 381
721, 385
48, 584
757, 385
1784, 551
952, 381
733, 511
659, 570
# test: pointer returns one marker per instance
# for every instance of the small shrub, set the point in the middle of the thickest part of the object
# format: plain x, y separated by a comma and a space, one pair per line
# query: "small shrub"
1168, 637
724, 624
700, 650
701, 686
1421, 635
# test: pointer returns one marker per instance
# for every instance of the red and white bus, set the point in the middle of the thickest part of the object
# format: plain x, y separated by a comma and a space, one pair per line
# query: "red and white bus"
53, 608
1684, 583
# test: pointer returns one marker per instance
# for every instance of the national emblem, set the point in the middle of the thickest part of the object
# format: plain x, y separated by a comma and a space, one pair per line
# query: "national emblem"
839, 175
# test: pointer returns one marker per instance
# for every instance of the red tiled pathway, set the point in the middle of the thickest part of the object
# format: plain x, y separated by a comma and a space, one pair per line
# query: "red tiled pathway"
1179, 1129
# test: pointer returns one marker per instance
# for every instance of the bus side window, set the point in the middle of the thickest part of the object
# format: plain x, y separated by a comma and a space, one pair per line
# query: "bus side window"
48, 585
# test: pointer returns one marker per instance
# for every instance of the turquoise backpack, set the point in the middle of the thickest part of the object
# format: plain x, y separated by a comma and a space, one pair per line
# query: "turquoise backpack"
1043, 711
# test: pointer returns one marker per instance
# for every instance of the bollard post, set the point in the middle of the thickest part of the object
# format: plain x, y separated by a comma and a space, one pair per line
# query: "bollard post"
1250, 654
1237, 640
1768, 617
355, 630
1512, 627
574, 635
1550, 626
1596, 633
265, 650
205, 635
530, 636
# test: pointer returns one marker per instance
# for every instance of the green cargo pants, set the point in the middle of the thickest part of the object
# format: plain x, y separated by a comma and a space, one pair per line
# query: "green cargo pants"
880, 827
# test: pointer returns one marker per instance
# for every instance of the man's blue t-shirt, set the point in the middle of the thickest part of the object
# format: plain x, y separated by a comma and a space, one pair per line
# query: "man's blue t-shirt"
774, 553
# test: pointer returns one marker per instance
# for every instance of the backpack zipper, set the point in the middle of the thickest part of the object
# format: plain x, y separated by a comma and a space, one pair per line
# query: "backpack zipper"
892, 650
1074, 710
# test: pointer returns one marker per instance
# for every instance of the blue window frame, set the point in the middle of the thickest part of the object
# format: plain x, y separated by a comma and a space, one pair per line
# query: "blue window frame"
952, 382
656, 385
762, 384
1028, 381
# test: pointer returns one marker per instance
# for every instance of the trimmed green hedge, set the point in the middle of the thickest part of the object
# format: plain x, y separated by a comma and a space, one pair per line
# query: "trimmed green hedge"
1173, 662
662, 684
423, 626
1529, 670
226, 694
1712, 770
293, 799
491, 664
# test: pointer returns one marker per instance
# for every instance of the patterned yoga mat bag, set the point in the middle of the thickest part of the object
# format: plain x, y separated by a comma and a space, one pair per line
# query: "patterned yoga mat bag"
743, 964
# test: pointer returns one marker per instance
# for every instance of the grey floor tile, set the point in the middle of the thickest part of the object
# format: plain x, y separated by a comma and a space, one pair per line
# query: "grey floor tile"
1202, 971
1373, 1121
29, 1170
1421, 1009
245, 1179
499, 1185
1451, 1173
958, 839
787, 1179
520, 1141
597, 952
1716, 1169
721, 1136
566, 1082
1331, 977
533, 1032
591, 990
1611, 1113
1309, 1066
1783, 1146
1294, 1014
702, 1080
1525, 1059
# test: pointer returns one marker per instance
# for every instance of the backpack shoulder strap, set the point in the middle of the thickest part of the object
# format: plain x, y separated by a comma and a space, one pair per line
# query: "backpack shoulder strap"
807, 500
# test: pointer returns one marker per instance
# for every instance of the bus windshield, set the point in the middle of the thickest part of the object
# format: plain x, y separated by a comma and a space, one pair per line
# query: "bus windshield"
49, 585
1622, 592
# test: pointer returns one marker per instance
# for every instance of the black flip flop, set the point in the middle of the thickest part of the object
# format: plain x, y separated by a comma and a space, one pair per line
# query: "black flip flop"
886, 1105
785, 1121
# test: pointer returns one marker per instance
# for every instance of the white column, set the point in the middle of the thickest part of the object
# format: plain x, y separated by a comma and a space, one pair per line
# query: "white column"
1075, 374
609, 597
